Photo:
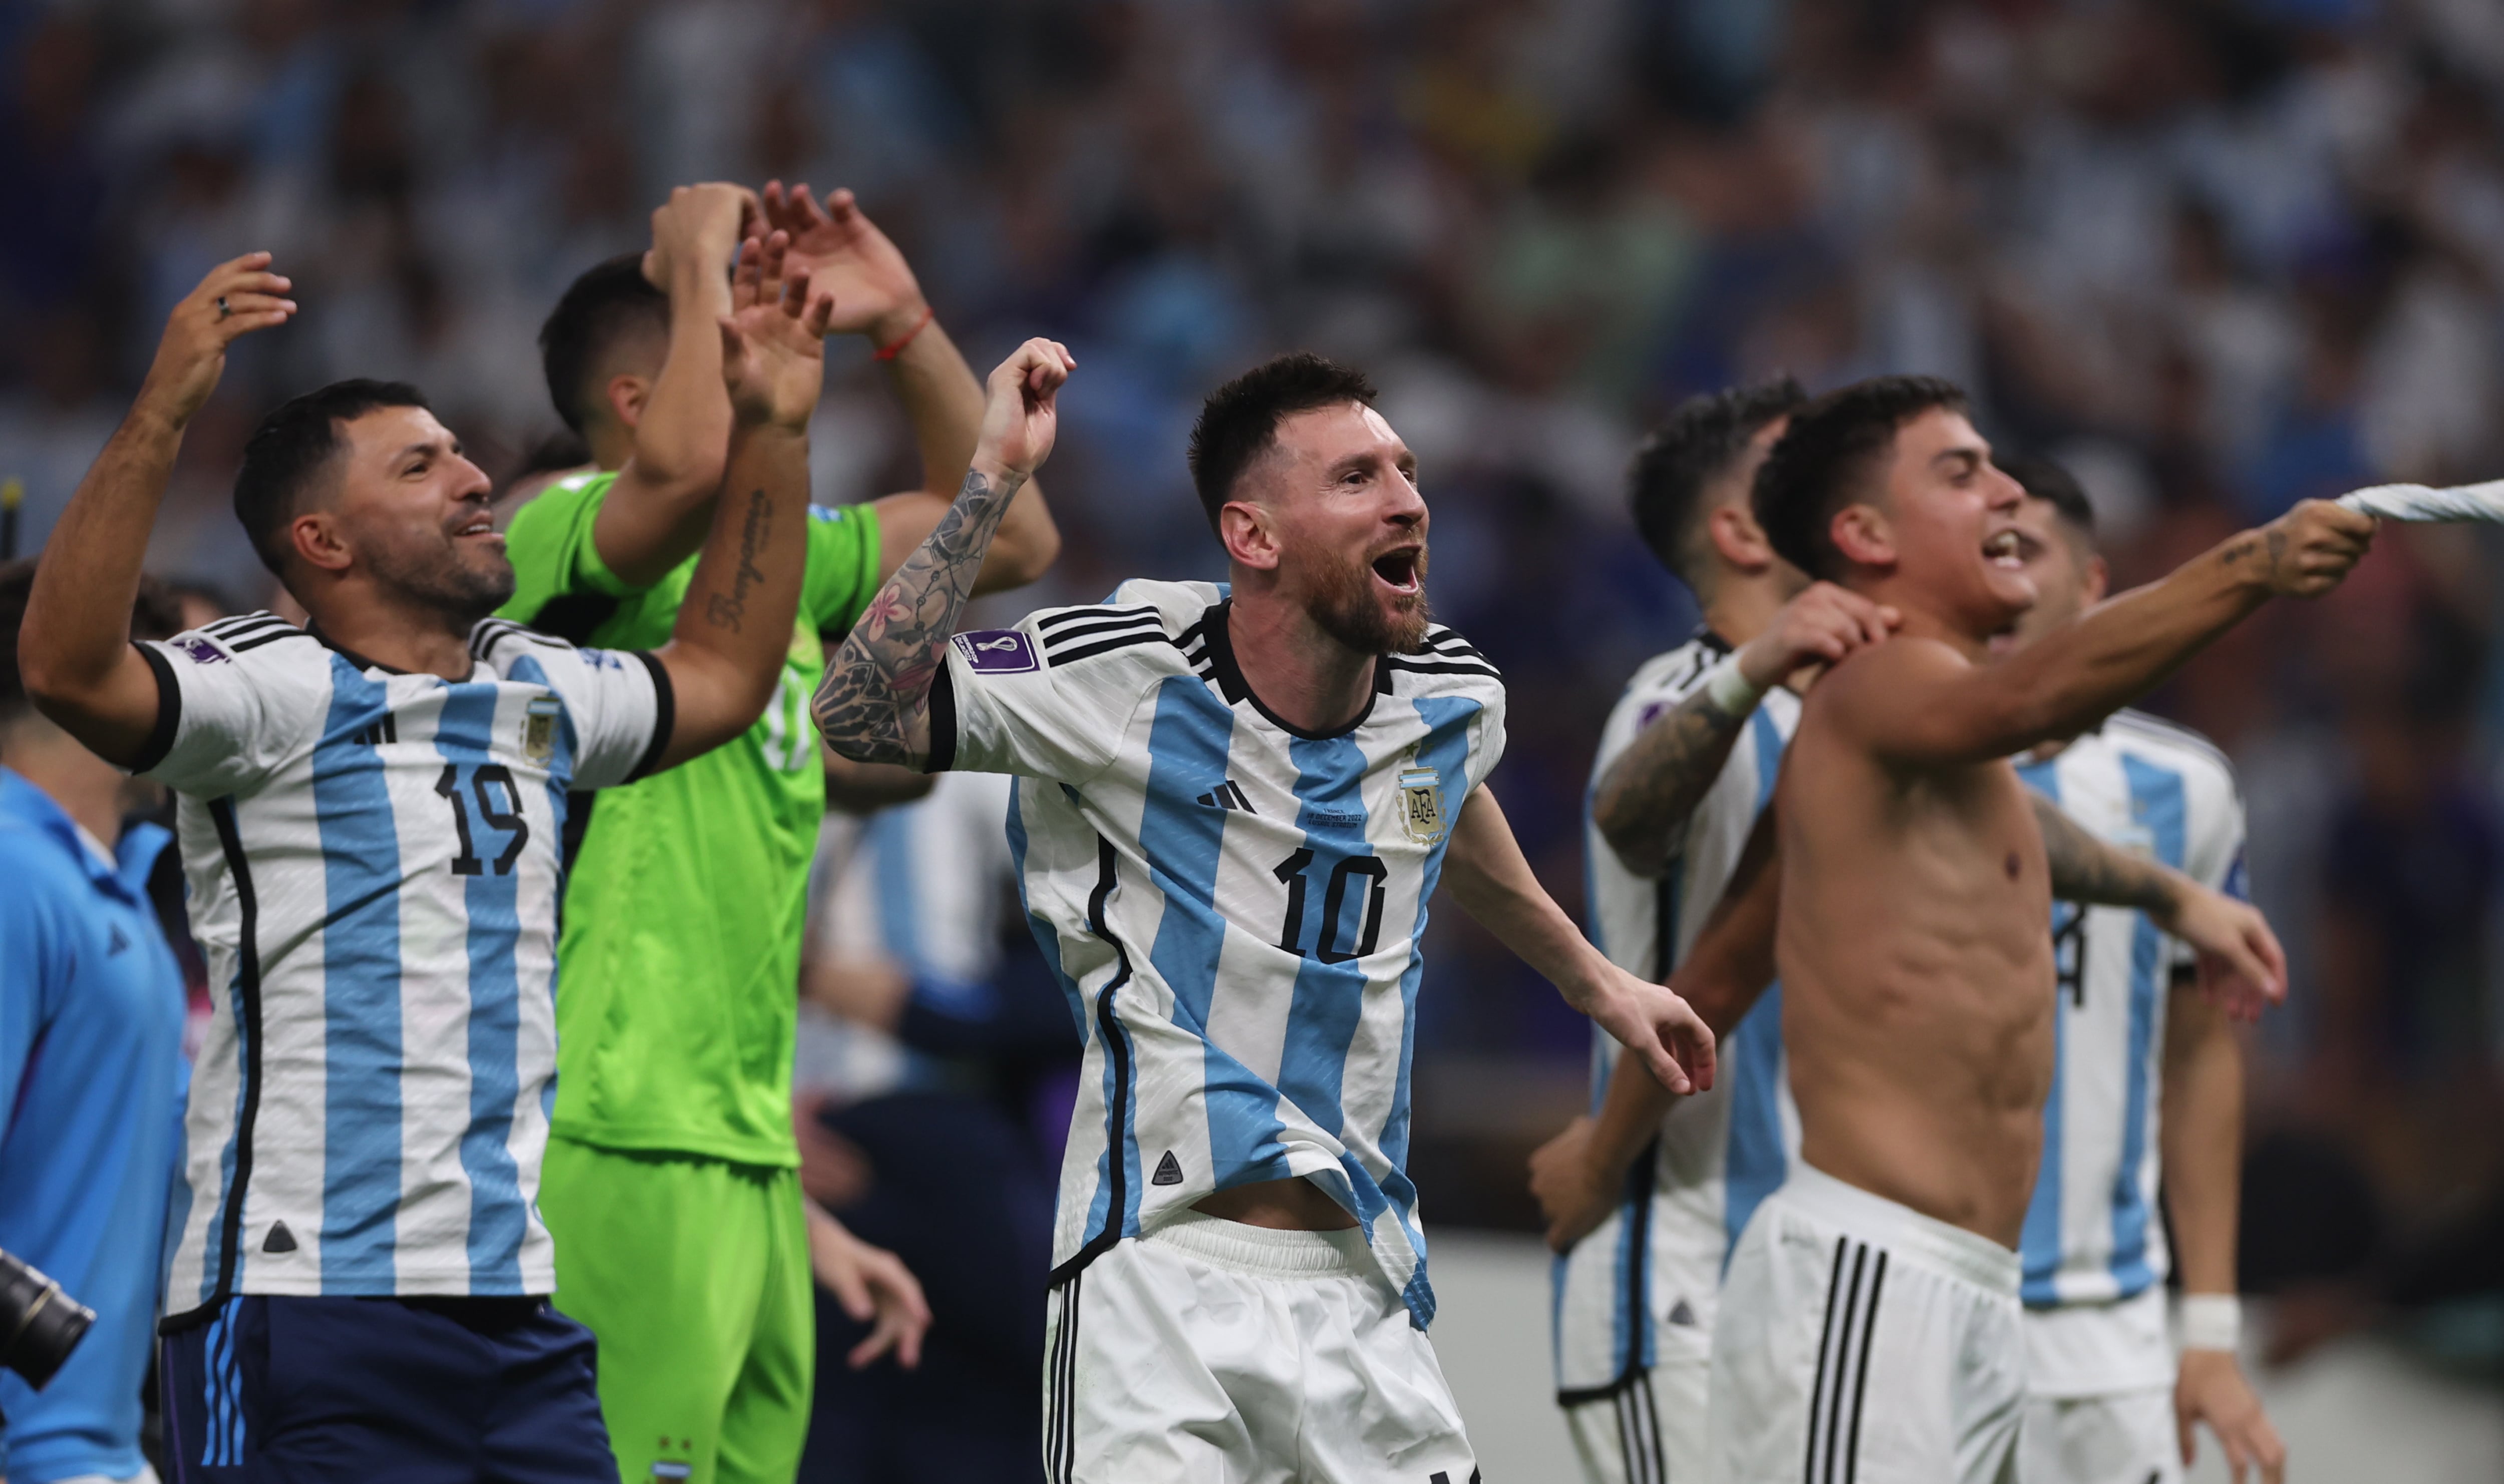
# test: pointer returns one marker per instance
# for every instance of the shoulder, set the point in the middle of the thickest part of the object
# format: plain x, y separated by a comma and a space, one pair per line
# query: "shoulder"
514, 652
1157, 625
558, 504
2172, 745
1673, 673
500, 644
251, 648
1444, 653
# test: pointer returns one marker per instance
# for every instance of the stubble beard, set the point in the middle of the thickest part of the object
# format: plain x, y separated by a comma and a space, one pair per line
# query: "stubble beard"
462, 591
1343, 604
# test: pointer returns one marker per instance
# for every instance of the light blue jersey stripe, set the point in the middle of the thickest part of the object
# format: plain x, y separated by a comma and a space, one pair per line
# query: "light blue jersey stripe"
2038, 1242
1338, 888
560, 772
361, 955
2156, 802
1047, 938
1754, 1165
497, 1222
889, 839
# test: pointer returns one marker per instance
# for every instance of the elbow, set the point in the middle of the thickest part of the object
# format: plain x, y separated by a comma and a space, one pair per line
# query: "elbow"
1014, 564
1637, 849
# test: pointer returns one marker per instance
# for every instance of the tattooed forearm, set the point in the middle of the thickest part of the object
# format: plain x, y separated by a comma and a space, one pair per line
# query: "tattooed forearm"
874, 706
1646, 795
724, 610
2086, 869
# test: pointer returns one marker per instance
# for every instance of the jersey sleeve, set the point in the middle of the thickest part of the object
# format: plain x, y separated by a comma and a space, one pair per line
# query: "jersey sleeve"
843, 567
1643, 704
2213, 853
1002, 704
617, 702
552, 551
233, 704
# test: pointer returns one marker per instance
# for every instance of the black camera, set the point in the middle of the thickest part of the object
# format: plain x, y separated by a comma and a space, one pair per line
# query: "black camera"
39, 1324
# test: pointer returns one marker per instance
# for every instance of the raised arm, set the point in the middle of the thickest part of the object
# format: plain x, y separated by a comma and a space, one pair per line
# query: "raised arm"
877, 297
2241, 962
74, 650
1643, 800
1925, 706
874, 706
658, 512
1489, 876
734, 627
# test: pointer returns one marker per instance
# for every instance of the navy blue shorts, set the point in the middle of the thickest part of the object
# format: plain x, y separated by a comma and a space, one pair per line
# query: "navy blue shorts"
425, 1390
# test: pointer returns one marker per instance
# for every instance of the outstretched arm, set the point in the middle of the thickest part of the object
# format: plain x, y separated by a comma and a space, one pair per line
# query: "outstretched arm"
1643, 798
74, 648
1921, 705
1484, 867
874, 706
877, 297
660, 509
725, 651
2241, 962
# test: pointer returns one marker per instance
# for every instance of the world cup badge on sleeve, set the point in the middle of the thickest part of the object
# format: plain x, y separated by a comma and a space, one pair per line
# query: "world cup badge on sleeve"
538, 730
1421, 805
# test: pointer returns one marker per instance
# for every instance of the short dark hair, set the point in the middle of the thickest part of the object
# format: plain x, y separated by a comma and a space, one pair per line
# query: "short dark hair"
2045, 480
1827, 451
1239, 421
1690, 449
155, 615
609, 302
293, 444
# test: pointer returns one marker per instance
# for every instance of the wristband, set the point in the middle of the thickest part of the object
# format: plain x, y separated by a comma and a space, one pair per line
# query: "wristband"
896, 347
1728, 687
2212, 1322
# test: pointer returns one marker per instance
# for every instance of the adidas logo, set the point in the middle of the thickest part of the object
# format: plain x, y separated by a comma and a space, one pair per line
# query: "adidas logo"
1683, 1315
1168, 1172
280, 1239
1227, 795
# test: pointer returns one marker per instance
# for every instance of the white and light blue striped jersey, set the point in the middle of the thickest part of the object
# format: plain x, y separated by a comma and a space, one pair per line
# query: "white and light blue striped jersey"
1641, 1288
924, 885
2092, 1234
1234, 906
375, 863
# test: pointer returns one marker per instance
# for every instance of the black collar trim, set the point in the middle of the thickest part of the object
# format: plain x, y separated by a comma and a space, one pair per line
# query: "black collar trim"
1232, 685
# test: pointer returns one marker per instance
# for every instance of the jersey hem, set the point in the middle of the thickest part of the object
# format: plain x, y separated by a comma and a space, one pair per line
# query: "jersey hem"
779, 1156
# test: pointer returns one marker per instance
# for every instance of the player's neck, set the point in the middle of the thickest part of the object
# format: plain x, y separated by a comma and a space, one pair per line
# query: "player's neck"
1923, 623
410, 637
1302, 676
1743, 605
88, 788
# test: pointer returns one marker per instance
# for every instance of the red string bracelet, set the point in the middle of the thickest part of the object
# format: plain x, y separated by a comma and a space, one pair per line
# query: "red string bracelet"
890, 350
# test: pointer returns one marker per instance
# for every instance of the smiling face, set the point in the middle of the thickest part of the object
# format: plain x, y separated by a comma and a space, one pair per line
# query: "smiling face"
2068, 576
1339, 520
411, 511
1945, 536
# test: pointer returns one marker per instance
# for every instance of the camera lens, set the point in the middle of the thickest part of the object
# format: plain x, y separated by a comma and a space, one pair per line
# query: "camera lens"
39, 1324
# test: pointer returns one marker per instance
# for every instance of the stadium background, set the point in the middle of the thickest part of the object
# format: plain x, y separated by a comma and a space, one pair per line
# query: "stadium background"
2217, 255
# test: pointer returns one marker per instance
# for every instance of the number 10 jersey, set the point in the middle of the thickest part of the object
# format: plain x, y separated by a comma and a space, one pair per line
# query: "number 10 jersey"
1234, 906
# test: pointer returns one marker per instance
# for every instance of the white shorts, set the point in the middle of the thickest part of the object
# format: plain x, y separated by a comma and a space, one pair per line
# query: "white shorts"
1651, 1430
1862, 1342
2127, 1438
1208, 1352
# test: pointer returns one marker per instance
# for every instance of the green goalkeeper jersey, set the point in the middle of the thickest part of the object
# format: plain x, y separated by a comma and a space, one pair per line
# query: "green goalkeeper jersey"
679, 956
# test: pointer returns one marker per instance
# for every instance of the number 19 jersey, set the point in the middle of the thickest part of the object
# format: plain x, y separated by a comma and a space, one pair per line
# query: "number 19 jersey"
1234, 906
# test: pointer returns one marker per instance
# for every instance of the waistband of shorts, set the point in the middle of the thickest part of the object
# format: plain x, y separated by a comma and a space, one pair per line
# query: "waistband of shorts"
1264, 1252
1950, 1250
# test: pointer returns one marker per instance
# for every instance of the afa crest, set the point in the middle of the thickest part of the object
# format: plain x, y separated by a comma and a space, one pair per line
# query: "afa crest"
538, 730
1421, 805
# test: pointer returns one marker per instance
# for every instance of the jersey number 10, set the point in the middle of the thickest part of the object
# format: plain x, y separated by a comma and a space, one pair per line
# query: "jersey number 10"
1290, 935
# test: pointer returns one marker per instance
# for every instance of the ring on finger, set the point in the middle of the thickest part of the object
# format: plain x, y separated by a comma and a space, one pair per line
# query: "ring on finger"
222, 310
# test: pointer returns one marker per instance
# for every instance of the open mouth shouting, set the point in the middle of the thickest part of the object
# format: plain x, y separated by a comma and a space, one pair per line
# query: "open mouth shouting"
479, 526
1402, 569
2005, 549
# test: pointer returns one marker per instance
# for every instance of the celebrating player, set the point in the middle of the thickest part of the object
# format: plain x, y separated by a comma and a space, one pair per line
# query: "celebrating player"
370, 815
2147, 1090
682, 1238
1685, 763
1233, 807
1908, 908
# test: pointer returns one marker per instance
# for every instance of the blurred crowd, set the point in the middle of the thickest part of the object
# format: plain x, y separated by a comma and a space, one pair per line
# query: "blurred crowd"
2214, 254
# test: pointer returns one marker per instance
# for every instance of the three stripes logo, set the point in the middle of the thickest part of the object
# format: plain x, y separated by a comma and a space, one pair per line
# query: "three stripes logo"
1078, 634
1843, 1362
1227, 795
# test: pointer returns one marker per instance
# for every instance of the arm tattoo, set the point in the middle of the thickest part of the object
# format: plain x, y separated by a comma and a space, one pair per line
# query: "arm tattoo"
874, 706
2086, 869
1648, 792
724, 610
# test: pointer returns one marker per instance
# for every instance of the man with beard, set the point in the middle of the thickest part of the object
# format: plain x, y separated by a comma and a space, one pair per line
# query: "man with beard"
370, 811
1233, 805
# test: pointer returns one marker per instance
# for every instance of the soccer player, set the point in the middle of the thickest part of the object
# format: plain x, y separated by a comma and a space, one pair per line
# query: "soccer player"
1907, 906
1233, 805
1685, 763
370, 810
683, 1240
91, 1010
2147, 1090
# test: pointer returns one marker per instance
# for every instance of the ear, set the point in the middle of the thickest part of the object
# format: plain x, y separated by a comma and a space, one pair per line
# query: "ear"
319, 542
2099, 580
626, 393
1250, 540
1734, 533
1862, 533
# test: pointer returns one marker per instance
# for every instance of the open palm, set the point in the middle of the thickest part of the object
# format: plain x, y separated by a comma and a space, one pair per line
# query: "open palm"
773, 341
848, 258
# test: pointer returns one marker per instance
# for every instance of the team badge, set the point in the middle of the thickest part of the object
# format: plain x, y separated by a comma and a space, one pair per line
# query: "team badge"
538, 730
997, 651
201, 650
1421, 805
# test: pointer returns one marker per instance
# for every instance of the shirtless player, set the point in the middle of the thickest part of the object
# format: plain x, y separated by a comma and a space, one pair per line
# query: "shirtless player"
1909, 916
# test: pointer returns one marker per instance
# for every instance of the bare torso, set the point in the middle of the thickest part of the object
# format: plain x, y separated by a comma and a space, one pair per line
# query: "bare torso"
1916, 958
